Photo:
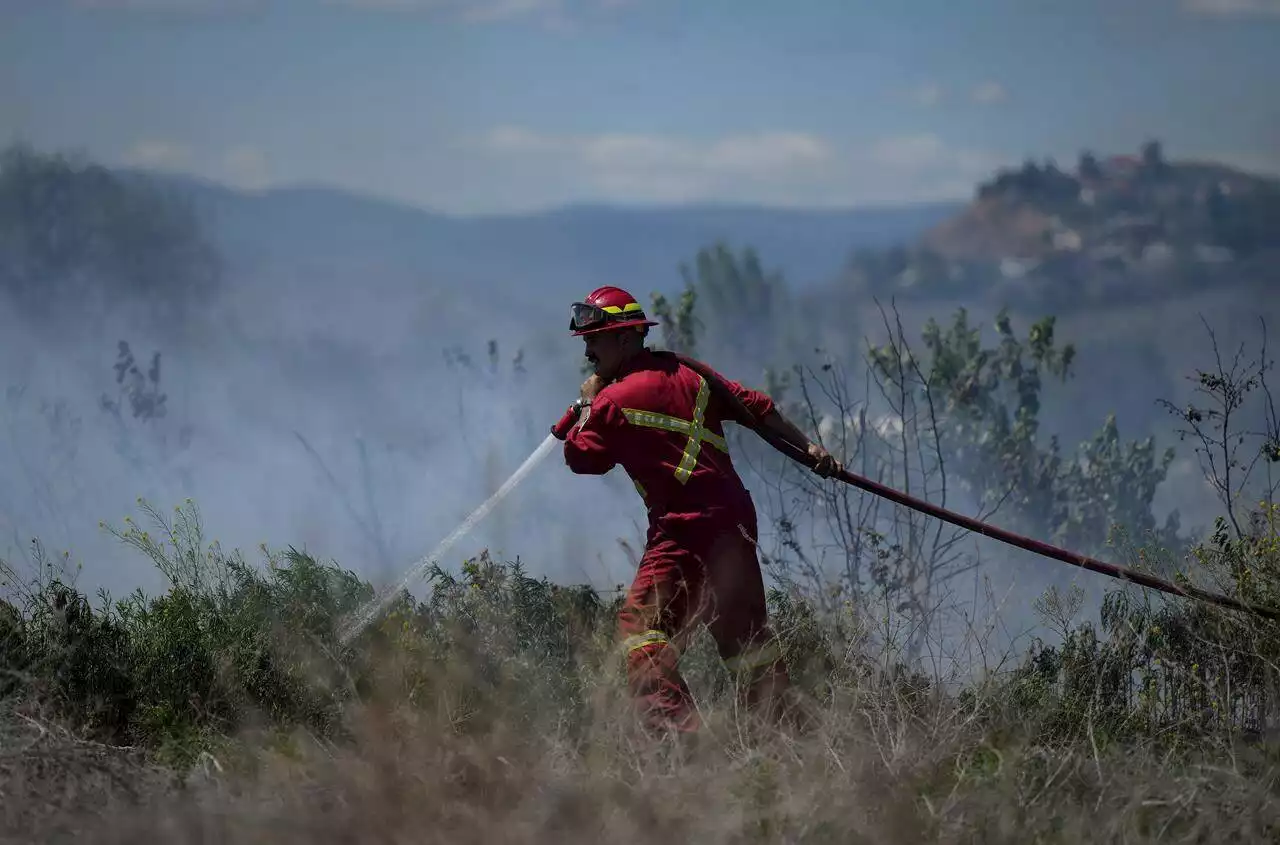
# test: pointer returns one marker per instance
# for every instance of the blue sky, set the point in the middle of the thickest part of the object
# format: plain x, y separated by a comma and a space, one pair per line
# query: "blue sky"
505, 105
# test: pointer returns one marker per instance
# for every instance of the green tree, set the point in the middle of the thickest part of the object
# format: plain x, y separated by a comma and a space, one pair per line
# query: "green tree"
741, 307
680, 326
74, 235
989, 428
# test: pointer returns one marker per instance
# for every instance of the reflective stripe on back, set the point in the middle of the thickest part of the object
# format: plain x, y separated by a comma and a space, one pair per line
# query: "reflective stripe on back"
694, 429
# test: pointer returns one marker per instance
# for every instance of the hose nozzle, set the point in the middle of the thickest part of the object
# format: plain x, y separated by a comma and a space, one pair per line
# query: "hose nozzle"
561, 429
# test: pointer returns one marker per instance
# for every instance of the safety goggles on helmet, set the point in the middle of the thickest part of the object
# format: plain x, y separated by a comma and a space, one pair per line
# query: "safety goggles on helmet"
584, 315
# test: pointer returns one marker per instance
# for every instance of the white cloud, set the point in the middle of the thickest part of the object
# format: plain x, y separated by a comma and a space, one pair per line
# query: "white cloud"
928, 95
933, 94
989, 93
909, 151
928, 163
1233, 8
783, 167
769, 152
158, 154
242, 166
519, 168
760, 154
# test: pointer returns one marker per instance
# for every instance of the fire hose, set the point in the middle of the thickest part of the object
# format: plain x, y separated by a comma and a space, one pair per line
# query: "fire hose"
800, 455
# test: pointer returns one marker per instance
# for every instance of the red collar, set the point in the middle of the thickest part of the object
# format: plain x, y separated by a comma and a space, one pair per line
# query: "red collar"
642, 360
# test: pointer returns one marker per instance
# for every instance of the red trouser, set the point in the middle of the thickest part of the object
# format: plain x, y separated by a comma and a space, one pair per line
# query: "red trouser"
698, 570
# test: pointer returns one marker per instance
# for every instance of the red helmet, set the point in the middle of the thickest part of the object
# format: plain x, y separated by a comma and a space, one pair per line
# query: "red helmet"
605, 309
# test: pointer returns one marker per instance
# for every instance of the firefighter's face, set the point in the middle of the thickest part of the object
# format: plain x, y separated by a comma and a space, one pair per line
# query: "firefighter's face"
606, 351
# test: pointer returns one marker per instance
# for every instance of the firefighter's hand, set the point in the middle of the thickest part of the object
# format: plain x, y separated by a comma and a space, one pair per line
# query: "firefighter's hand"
826, 465
593, 385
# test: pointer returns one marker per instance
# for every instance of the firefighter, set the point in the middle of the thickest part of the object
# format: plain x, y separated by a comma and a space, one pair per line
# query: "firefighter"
663, 423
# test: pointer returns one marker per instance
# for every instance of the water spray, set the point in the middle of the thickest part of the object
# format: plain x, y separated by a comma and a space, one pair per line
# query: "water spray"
375, 608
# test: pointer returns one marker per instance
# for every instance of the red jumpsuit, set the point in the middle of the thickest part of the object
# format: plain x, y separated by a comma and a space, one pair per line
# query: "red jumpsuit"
661, 422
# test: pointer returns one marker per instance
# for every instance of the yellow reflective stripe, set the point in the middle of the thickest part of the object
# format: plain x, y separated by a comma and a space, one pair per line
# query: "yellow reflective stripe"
621, 309
652, 420
694, 446
649, 419
756, 658
643, 639
694, 429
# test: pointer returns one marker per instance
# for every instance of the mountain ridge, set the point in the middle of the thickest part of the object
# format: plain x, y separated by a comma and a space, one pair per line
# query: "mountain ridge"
370, 198
562, 251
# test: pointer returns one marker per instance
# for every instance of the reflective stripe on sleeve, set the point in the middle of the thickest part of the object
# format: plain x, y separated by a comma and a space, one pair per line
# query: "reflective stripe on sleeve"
643, 639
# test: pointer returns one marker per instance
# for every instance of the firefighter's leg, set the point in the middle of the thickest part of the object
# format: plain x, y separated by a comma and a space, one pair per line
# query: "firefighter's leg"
651, 624
739, 620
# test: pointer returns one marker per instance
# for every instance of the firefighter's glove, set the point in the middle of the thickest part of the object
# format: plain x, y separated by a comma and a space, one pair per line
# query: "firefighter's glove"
593, 385
824, 464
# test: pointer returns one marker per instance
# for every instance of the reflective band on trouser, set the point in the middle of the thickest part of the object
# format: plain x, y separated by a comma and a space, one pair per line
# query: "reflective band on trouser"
754, 659
643, 639
694, 429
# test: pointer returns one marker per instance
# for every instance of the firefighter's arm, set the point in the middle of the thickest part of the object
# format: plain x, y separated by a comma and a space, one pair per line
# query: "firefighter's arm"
766, 415
775, 422
758, 404
589, 445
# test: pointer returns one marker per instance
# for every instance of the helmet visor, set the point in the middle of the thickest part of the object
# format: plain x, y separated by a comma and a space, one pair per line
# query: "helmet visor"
583, 316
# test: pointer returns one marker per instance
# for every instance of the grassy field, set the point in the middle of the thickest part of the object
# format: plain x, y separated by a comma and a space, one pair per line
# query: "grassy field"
492, 711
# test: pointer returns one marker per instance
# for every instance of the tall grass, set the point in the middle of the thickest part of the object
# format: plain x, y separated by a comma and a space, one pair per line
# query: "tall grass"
493, 710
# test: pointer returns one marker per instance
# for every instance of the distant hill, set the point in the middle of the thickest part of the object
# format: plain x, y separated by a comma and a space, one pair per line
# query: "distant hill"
1120, 228
558, 253
1125, 208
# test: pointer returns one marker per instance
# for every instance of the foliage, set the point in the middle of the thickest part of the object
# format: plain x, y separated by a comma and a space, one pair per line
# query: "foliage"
1230, 453
988, 411
1177, 672
729, 308
224, 645
680, 325
960, 417
231, 646
78, 236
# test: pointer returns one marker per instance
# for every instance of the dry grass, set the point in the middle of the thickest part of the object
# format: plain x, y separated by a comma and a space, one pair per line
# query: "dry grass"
872, 766
495, 712
52, 783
